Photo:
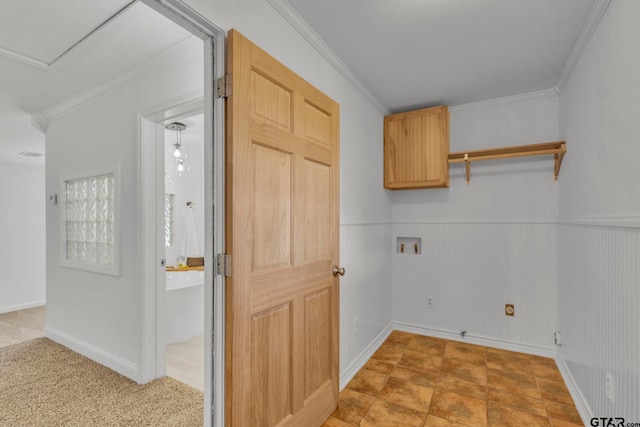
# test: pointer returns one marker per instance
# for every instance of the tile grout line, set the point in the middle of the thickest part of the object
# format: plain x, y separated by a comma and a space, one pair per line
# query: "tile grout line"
529, 364
434, 387
486, 383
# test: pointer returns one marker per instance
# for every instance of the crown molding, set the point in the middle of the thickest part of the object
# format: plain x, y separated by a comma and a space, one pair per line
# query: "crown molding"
302, 27
547, 93
23, 59
39, 122
181, 51
597, 12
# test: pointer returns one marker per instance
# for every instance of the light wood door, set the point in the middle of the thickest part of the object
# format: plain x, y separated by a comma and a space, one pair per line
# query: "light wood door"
282, 232
416, 149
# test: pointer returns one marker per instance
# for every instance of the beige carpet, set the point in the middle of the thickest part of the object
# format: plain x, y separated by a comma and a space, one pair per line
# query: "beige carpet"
45, 384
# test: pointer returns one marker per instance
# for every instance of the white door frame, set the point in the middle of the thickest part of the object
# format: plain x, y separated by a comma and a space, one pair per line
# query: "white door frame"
152, 158
150, 366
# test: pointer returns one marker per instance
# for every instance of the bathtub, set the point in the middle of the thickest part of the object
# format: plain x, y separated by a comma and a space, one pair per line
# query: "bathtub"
184, 318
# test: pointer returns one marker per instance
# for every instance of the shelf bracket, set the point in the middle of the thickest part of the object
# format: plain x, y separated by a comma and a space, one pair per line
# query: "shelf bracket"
467, 166
558, 161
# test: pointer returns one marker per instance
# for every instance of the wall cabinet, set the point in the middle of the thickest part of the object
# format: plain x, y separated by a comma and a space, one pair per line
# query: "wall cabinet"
416, 149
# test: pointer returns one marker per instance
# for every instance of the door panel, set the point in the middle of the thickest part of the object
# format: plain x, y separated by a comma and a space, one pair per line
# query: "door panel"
272, 198
271, 359
317, 245
317, 340
272, 102
282, 231
318, 124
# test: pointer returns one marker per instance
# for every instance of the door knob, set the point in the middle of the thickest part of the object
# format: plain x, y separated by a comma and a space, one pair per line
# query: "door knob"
338, 270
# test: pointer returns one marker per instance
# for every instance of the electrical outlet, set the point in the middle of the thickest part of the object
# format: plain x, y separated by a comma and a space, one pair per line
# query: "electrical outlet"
429, 302
557, 338
610, 387
355, 326
509, 310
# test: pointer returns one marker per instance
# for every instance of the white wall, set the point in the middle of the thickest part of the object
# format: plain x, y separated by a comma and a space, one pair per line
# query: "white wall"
599, 234
365, 230
97, 314
365, 293
103, 311
22, 236
187, 186
488, 243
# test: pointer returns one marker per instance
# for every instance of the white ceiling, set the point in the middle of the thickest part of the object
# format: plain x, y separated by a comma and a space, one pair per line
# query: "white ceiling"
409, 53
34, 33
27, 26
17, 134
419, 53
120, 45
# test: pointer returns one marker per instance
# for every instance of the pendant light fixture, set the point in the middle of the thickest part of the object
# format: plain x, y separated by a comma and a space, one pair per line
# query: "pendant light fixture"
178, 152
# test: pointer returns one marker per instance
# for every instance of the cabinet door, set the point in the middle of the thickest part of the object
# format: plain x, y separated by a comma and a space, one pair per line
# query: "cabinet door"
416, 146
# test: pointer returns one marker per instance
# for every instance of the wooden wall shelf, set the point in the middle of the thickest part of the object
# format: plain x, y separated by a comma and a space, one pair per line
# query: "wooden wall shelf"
558, 149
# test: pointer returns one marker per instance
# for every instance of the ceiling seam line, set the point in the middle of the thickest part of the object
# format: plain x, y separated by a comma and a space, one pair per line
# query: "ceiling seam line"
111, 18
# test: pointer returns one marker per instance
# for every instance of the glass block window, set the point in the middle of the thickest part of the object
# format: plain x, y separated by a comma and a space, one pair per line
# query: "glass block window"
168, 220
90, 222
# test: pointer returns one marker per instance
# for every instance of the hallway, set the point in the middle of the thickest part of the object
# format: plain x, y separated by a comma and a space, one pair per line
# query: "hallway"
185, 361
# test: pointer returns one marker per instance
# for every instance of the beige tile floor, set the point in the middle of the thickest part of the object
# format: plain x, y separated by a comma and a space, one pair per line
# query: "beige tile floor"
22, 325
414, 380
185, 361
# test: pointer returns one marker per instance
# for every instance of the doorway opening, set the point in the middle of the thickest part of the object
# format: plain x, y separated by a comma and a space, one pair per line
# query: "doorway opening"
183, 228
93, 76
202, 108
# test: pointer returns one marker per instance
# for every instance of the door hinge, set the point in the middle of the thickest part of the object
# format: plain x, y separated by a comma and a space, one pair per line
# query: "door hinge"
223, 264
224, 86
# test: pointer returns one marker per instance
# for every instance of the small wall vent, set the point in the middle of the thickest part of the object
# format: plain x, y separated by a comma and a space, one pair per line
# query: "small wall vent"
31, 154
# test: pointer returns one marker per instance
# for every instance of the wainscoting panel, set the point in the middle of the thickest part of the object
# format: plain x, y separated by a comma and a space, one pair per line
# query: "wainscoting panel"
470, 271
599, 313
365, 291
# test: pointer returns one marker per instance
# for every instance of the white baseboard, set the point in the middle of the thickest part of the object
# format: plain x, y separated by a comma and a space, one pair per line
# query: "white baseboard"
111, 361
476, 339
582, 405
364, 357
10, 308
